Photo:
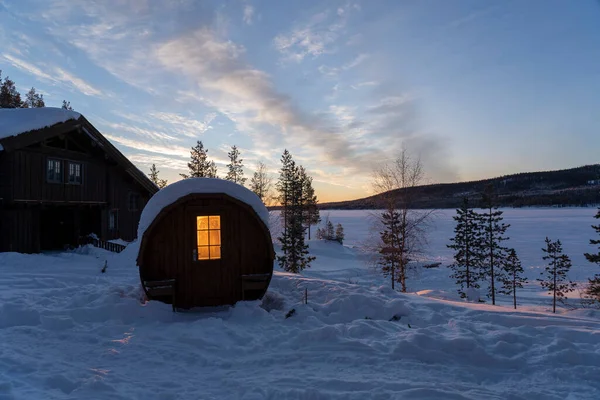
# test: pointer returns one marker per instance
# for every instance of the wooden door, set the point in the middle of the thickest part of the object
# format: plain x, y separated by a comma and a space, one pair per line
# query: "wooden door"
207, 265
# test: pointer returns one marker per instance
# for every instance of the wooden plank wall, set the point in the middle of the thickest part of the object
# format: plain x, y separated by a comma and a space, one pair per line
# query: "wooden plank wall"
119, 187
29, 178
6, 176
168, 252
19, 230
24, 190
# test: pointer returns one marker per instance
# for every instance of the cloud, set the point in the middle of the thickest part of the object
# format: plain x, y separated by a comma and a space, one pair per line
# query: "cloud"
165, 149
164, 162
115, 36
335, 71
55, 75
141, 132
248, 14
27, 67
249, 98
185, 126
77, 83
129, 39
365, 84
315, 37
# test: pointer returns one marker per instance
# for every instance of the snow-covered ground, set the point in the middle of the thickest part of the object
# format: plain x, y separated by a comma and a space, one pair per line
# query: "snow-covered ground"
68, 331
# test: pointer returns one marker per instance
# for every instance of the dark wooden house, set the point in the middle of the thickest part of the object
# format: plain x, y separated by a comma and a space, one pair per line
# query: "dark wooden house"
63, 181
205, 242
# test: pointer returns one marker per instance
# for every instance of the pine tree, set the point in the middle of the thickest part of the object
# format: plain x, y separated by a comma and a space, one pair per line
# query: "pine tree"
467, 246
66, 105
34, 99
391, 258
261, 182
311, 211
200, 166
493, 253
556, 272
9, 96
295, 251
235, 166
514, 276
322, 232
161, 183
593, 289
284, 185
339, 233
329, 231
319, 234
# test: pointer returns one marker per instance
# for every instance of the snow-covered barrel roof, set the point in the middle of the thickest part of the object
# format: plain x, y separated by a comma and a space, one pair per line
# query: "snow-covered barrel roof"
14, 121
173, 192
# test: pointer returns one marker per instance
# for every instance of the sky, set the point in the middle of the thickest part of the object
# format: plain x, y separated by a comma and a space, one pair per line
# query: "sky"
474, 88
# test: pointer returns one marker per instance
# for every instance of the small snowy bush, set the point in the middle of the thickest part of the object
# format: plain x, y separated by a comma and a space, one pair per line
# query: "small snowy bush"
272, 301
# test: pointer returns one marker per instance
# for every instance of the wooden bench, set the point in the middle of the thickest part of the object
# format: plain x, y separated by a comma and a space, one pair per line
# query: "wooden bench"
254, 282
162, 288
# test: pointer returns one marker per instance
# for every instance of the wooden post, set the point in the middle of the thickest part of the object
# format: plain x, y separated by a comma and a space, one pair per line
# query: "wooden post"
305, 295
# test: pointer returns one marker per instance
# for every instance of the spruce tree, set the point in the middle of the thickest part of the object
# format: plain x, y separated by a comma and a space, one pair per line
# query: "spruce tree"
9, 96
33, 99
261, 182
513, 276
161, 183
295, 256
329, 231
555, 281
467, 246
284, 185
593, 289
66, 105
390, 259
319, 234
235, 167
200, 166
493, 254
339, 233
311, 211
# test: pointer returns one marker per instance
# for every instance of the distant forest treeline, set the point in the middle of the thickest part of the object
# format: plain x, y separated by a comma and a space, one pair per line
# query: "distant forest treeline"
568, 187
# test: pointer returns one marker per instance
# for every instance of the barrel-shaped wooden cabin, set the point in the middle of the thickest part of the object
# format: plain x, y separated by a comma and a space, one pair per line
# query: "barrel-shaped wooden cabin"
205, 242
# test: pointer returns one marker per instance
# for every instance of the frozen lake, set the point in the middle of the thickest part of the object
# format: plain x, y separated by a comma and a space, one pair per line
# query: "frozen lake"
528, 229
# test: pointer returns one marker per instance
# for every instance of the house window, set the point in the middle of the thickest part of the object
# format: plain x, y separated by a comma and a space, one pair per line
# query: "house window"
113, 220
134, 201
54, 171
208, 237
75, 173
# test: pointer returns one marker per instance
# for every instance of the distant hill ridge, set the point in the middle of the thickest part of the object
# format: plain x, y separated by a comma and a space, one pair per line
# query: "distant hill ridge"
567, 187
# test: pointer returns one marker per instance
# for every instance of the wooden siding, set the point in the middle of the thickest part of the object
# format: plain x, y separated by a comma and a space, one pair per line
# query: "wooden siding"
28, 198
19, 230
30, 183
119, 187
166, 251
6, 177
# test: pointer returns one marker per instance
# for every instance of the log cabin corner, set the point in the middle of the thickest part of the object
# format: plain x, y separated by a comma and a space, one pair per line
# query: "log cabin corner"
60, 179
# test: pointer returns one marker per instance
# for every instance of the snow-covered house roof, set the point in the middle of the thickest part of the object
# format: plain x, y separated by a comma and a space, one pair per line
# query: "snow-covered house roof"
15, 121
21, 127
175, 191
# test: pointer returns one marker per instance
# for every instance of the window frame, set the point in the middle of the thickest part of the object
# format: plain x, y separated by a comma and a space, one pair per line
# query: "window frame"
138, 200
208, 234
57, 162
75, 163
113, 216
